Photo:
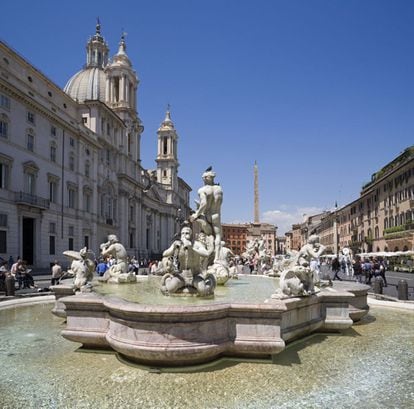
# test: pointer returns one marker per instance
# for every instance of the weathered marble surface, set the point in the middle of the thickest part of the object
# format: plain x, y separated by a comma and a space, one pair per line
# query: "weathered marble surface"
117, 273
185, 335
298, 278
82, 268
195, 264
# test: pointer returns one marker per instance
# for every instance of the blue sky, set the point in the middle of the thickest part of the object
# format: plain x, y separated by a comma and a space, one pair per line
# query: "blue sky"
320, 93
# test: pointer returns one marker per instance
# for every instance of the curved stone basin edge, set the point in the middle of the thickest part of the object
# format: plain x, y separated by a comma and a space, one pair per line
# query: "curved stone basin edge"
187, 335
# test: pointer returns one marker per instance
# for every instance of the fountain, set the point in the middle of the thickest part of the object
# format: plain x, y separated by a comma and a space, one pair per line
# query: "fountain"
363, 366
188, 333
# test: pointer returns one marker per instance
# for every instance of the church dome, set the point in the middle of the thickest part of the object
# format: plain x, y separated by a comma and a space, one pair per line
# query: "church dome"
87, 84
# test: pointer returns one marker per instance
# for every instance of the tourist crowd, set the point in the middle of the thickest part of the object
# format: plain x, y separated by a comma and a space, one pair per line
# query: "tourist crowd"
361, 270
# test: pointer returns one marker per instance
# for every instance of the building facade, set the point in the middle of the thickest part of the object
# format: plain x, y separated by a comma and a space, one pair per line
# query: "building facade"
381, 219
237, 236
70, 161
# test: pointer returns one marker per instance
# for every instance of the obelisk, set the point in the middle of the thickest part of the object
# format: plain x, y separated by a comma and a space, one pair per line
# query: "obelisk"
256, 194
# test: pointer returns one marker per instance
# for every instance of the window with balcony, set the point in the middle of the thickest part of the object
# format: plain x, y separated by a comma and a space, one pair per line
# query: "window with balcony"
30, 183
53, 191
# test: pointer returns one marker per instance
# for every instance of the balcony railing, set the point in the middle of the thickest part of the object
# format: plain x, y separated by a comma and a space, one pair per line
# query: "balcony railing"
399, 231
31, 200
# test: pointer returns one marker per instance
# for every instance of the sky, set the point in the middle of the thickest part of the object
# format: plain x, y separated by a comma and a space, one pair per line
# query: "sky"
319, 92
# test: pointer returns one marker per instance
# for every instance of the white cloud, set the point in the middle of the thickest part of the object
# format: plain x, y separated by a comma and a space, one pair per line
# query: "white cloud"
288, 215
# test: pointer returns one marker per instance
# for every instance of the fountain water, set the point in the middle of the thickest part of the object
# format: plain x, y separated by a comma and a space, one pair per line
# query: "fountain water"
364, 366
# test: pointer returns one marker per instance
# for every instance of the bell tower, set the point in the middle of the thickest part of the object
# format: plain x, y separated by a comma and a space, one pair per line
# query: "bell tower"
167, 158
121, 96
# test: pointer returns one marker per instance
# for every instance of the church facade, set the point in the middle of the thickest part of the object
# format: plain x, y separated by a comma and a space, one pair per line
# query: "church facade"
70, 162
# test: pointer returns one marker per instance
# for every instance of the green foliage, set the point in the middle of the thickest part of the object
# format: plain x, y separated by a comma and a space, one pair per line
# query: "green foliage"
395, 229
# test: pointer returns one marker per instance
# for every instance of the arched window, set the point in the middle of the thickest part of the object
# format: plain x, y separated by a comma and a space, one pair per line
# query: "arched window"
376, 232
391, 221
30, 171
385, 223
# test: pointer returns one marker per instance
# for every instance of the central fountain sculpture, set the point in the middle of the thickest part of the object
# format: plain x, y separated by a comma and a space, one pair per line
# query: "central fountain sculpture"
195, 267
186, 261
189, 333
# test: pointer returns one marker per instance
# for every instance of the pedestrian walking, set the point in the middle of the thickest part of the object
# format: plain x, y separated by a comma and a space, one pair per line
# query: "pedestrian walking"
56, 273
382, 269
357, 267
336, 266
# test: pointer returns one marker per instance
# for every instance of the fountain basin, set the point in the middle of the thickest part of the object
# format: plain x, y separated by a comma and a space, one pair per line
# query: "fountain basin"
177, 335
